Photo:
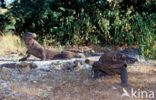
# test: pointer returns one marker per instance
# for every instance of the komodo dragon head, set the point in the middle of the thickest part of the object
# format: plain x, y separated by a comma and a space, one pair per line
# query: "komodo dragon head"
117, 57
30, 35
114, 57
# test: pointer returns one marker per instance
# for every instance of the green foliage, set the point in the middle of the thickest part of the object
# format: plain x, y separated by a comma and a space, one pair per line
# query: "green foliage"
85, 22
45, 95
86, 53
60, 47
144, 29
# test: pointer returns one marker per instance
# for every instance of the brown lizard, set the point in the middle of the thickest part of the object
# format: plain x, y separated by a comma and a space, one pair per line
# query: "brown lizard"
37, 50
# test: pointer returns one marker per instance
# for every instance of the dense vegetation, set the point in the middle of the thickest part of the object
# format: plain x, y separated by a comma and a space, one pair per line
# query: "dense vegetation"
85, 22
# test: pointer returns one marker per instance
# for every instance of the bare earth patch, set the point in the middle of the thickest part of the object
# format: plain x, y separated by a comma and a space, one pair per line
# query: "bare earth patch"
79, 85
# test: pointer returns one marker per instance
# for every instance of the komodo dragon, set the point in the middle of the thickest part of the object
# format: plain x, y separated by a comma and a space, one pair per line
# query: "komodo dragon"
37, 50
112, 63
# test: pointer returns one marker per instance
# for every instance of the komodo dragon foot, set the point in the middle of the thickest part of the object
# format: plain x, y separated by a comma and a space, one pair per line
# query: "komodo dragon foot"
124, 76
23, 59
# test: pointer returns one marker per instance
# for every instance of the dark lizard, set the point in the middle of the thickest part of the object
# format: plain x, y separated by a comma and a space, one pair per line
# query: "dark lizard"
112, 63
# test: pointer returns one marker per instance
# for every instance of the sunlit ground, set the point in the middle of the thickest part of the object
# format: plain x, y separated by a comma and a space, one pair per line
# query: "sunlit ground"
80, 85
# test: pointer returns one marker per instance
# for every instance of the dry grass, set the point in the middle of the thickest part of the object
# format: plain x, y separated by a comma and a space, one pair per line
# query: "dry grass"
26, 90
11, 43
80, 86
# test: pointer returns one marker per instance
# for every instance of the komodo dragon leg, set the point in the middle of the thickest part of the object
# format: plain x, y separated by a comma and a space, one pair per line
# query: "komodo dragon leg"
124, 76
96, 72
25, 58
43, 55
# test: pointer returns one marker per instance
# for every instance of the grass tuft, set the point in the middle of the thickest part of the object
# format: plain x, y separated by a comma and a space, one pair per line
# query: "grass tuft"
11, 43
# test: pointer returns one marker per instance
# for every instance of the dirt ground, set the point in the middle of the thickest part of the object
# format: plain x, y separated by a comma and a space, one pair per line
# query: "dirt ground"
79, 85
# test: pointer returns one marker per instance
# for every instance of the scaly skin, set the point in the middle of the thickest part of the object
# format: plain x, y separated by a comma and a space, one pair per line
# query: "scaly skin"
37, 50
112, 63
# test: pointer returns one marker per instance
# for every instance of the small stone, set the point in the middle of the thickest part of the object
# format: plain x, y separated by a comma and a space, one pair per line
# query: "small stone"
27, 66
4, 85
5, 70
33, 65
34, 82
114, 88
24, 66
5, 77
49, 88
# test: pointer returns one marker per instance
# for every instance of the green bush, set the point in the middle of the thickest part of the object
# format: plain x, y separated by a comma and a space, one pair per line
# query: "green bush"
86, 22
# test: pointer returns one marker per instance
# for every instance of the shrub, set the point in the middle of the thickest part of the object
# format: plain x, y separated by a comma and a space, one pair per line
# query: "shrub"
85, 22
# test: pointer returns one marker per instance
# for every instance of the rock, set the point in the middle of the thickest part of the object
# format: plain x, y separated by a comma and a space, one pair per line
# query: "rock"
8, 65
114, 88
34, 82
26, 66
5, 73
48, 88
4, 85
